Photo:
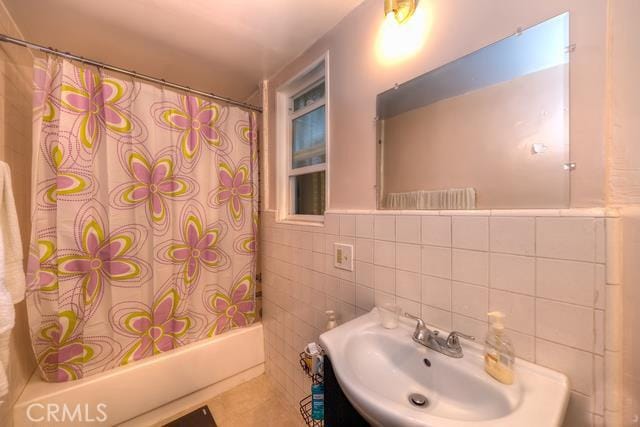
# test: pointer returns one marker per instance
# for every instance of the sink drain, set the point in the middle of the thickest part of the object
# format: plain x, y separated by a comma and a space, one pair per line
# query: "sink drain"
418, 400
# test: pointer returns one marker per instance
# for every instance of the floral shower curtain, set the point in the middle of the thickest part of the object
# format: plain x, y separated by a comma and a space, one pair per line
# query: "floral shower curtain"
144, 220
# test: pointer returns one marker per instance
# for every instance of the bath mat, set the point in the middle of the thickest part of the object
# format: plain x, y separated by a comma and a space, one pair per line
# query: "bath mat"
201, 417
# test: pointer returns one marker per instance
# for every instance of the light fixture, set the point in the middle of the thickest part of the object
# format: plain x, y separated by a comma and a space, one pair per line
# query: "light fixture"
401, 9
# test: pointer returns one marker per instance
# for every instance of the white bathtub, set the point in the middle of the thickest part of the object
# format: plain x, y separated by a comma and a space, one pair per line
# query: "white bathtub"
214, 364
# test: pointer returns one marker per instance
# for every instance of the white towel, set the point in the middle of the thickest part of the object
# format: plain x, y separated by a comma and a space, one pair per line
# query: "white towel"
4, 385
12, 280
4, 364
11, 267
7, 320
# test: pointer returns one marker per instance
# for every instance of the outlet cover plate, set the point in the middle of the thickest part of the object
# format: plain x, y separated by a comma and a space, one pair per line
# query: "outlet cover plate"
343, 256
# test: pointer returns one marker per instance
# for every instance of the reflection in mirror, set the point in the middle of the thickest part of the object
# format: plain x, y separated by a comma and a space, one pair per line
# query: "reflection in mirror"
487, 131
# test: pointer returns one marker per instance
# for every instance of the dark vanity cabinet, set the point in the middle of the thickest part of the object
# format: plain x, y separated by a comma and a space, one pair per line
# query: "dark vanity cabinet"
338, 411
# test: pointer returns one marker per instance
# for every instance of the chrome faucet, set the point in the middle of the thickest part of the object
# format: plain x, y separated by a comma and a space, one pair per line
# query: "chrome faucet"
449, 346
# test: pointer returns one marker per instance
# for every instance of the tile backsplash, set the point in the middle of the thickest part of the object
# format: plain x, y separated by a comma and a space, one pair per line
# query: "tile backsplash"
546, 270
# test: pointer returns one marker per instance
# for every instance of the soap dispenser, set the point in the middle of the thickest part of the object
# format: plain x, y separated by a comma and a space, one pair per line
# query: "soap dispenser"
498, 350
331, 320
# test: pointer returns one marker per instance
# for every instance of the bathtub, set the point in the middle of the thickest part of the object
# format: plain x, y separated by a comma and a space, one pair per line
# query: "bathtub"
130, 393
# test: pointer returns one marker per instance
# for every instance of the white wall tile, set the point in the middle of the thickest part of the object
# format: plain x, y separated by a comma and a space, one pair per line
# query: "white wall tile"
598, 333
613, 381
470, 232
612, 418
298, 273
384, 279
568, 281
436, 317
601, 243
346, 312
469, 326
347, 292
364, 250
578, 411
600, 291
470, 300
408, 306
319, 262
512, 235
306, 240
408, 285
318, 242
436, 230
524, 345
614, 250
436, 292
408, 257
470, 266
519, 310
364, 274
599, 386
332, 224
566, 324
384, 227
384, 253
384, 298
364, 297
361, 311
566, 238
408, 229
318, 300
348, 225
331, 286
436, 261
599, 421
364, 226
512, 273
576, 364
613, 318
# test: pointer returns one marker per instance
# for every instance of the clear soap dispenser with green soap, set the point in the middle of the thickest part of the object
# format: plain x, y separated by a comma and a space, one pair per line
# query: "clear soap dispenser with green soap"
498, 350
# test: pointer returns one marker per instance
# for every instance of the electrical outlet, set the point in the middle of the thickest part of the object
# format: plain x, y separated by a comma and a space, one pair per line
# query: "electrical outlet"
343, 256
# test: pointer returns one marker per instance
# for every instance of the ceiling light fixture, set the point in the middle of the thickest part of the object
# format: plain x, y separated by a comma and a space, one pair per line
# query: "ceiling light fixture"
401, 9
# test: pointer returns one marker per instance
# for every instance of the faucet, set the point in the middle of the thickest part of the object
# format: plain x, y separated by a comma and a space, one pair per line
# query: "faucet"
449, 346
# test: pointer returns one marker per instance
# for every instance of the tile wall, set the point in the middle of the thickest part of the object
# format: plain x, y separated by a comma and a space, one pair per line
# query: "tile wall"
547, 270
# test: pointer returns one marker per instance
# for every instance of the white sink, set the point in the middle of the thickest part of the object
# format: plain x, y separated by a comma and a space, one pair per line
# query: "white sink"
379, 368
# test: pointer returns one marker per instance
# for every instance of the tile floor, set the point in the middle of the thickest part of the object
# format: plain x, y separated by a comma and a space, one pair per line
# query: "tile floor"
256, 403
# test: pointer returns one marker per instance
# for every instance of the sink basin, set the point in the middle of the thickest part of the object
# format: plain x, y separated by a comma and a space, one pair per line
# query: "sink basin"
379, 369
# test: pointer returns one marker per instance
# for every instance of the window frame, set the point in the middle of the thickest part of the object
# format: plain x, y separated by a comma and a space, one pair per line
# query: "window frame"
306, 80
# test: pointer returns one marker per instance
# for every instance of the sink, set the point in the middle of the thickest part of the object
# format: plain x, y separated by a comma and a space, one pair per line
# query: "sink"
380, 369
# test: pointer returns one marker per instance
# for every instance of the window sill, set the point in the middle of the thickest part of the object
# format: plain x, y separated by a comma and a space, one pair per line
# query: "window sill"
309, 220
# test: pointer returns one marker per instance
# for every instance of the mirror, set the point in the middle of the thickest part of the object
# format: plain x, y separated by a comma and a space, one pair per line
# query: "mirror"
487, 131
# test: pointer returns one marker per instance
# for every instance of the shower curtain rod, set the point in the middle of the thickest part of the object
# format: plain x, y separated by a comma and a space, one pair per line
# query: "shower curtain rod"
24, 43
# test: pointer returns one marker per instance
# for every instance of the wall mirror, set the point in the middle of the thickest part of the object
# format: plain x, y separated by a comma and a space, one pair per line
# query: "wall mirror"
489, 130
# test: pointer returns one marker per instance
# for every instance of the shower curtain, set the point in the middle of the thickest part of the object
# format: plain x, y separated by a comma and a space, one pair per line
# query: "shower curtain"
144, 219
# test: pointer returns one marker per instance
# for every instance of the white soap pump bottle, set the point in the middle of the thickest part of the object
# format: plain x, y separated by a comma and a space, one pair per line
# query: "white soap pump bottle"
498, 350
331, 320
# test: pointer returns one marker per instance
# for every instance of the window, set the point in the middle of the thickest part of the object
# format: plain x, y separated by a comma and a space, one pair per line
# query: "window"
302, 142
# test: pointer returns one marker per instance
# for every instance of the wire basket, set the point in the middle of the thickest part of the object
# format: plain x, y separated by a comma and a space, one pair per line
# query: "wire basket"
305, 364
305, 411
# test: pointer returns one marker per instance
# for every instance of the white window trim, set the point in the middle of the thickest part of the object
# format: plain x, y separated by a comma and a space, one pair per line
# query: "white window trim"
284, 196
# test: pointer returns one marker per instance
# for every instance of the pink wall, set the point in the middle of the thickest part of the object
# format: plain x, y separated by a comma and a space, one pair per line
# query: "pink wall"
624, 123
455, 28
482, 139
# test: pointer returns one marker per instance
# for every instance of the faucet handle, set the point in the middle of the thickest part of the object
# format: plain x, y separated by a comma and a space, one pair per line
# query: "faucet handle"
453, 338
417, 319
